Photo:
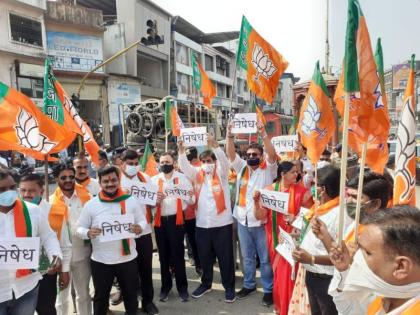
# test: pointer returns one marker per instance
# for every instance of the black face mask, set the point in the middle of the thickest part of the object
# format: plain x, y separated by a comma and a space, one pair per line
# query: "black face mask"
166, 168
253, 161
191, 157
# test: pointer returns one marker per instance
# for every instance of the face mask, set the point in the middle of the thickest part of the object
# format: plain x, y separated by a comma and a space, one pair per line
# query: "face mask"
207, 168
351, 210
361, 281
131, 170
36, 200
166, 168
253, 161
8, 198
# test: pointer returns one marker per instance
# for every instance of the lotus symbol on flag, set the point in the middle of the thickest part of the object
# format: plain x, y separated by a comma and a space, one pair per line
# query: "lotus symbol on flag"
311, 116
262, 63
27, 131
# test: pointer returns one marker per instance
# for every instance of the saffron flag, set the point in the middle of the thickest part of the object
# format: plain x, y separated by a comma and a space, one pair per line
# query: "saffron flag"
148, 162
202, 82
316, 121
260, 115
24, 128
405, 153
172, 120
59, 107
263, 64
360, 79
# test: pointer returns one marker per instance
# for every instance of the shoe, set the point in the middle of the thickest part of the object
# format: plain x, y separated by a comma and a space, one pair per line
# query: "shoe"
184, 296
267, 299
244, 292
230, 296
163, 296
116, 298
200, 291
150, 309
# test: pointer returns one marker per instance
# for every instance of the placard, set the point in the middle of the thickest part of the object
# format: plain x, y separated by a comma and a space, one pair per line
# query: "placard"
115, 227
286, 246
275, 200
19, 253
194, 137
284, 144
177, 191
244, 123
146, 193
298, 222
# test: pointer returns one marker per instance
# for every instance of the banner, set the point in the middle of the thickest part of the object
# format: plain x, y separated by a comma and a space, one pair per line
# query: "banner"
275, 200
19, 253
285, 143
146, 193
115, 227
177, 191
244, 123
194, 137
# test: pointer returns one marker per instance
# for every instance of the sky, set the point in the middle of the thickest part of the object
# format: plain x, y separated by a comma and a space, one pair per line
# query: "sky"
296, 28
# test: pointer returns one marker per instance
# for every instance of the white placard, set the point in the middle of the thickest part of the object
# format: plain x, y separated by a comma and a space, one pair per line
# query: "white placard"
177, 191
146, 193
115, 227
286, 246
19, 253
298, 222
194, 137
244, 123
284, 144
275, 200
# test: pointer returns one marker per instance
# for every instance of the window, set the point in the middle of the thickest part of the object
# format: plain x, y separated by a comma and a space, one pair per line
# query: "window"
228, 89
25, 30
183, 83
220, 90
208, 63
32, 88
182, 54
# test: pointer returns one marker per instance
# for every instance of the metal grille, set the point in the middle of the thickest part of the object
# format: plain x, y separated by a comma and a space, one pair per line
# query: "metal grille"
26, 30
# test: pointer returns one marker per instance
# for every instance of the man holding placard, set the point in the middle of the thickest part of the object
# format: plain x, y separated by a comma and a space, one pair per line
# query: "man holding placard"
132, 179
113, 247
169, 226
256, 172
23, 221
214, 217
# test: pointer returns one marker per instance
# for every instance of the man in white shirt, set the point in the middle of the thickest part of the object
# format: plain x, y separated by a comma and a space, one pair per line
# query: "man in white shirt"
131, 180
116, 258
214, 217
169, 227
81, 165
19, 289
31, 189
68, 200
256, 172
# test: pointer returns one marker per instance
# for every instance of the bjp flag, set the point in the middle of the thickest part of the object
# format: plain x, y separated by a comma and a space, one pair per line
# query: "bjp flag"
263, 64
172, 120
59, 107
405, 153
316, 121
368, 116
260, 115
202, 82
148, 162
24, 128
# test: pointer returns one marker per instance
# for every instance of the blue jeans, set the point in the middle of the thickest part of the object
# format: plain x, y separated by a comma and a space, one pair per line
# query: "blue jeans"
26, 304
253, 241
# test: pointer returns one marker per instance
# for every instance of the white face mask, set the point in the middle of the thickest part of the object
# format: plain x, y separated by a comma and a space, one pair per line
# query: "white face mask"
362, 281
132, 170
208, 168
8, 198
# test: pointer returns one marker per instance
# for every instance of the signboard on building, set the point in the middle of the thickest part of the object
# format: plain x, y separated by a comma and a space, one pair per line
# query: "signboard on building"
74, 52
121, 92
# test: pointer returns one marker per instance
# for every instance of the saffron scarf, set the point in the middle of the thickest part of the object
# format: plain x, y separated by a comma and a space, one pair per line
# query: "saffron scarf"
216, 188
377, 306
85, 183
179, 214
120, 197
291, 210
23, 228
243, 184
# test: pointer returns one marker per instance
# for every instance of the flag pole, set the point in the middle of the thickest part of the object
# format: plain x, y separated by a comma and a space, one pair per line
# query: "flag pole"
233, 88
166, 134
195, 106
360, 191
343, 166
47, 188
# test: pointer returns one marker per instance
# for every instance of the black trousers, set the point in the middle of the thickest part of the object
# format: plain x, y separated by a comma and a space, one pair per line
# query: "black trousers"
47, 295
144, 246
103, 276
190, 230
216, 242
170, 243
321, 302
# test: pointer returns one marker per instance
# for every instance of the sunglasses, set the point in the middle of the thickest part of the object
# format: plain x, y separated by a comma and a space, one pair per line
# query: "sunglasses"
65, 177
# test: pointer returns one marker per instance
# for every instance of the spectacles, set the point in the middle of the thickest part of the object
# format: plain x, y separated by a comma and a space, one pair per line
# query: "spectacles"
65, 177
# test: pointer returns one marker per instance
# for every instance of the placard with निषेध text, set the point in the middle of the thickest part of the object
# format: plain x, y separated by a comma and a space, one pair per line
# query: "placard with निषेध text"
244, 123
177, 191
284, 144
194, 137
115, 227
275, 200
146, 193
19, 253
286, 246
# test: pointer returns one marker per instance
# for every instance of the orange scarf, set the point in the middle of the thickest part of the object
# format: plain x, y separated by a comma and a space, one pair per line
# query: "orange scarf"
351, 237
23, 228
59, 212
216, 188
377, 305
243, 184
85, 183
179, 214
141, 178
322, 209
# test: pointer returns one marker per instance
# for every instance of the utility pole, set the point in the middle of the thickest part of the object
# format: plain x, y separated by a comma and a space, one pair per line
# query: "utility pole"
327, 43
